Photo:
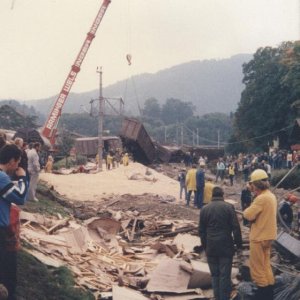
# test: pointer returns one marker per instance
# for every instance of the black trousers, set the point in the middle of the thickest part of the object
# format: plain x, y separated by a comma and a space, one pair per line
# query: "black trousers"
220, 269
8, 266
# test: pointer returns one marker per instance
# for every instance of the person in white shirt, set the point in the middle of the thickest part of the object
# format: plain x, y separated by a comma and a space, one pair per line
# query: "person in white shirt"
34, 170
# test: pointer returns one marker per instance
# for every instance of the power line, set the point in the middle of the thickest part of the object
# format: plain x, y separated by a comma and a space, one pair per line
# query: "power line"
261, 136
242, 141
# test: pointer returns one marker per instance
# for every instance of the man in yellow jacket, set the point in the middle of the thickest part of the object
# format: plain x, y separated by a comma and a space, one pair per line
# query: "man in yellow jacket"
191, 184
262, 214
208, 188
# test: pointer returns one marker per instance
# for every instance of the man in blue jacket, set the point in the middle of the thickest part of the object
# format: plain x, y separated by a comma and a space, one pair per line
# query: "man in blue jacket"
10, 156
200, 182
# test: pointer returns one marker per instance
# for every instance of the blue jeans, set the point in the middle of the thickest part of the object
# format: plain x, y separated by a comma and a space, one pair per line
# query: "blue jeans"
199, 197
183, 189
188, 197
220, 174
220, 269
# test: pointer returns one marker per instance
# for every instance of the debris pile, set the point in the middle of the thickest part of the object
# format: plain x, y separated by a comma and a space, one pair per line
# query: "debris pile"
125, 249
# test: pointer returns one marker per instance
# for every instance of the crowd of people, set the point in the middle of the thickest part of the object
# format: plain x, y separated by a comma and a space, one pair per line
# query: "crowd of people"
219, 229
113, 158
239, 167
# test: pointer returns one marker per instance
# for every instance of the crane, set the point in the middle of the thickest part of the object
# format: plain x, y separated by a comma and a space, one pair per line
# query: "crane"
50, 128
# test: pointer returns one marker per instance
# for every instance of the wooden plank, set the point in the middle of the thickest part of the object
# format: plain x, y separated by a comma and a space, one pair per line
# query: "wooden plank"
123, 293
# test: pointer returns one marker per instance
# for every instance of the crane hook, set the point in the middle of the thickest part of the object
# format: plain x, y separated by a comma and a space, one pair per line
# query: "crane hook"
128, 57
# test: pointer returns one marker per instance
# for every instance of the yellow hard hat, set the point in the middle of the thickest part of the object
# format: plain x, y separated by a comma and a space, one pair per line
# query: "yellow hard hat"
258, 174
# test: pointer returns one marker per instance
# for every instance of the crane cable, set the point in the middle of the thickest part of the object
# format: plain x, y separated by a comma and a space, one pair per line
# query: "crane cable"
130, 77
12, 4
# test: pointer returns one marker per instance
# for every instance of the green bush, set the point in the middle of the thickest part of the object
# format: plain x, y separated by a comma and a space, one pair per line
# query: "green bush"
63, 163
292, 181
81, 160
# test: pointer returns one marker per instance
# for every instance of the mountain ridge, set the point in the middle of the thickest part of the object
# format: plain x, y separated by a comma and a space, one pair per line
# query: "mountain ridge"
211, 85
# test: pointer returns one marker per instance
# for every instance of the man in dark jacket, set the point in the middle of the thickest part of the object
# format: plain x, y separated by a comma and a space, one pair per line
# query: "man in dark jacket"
219, 231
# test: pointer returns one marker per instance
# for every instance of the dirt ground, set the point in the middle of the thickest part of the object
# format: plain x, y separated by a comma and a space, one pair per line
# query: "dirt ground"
83, 187
129, 188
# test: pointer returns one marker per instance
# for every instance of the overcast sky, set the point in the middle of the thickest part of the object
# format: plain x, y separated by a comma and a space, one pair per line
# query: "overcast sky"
41, 38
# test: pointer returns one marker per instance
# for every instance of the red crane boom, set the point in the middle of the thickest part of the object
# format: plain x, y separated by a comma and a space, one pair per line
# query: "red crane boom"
50, 127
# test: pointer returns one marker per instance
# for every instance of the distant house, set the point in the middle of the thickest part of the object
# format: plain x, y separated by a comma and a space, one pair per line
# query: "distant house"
295, 136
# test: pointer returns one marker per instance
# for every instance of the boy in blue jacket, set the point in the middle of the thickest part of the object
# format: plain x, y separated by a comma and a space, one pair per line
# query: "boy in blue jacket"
10, 156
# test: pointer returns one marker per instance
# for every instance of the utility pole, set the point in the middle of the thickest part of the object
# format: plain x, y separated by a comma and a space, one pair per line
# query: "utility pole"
181, 135
193, 137
197, 130
100, 120
165, 135
177, 139
113, 109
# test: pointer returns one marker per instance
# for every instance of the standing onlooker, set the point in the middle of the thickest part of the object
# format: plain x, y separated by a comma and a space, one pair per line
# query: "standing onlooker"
49, 164
220, 170
181, 179
200, 183
190, 183
289, 160
208, 188
231, 173
218, 222
109, 161
201, 161
125, 160
262, 213
34, 170
246, 199
285, 209
10, 156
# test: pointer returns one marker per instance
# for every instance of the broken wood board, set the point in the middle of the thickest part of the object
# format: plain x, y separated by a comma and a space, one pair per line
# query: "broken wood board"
45, 259
123, 293
109, 225
39, 237
200, 278
35, 218
186, 242
168, 276
193, 296
76, 239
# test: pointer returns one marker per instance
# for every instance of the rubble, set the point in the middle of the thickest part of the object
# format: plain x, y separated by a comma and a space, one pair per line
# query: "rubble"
126, 243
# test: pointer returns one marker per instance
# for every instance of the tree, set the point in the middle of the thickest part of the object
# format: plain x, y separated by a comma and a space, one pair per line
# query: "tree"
271, 81
152, 108
64, 144
176, 111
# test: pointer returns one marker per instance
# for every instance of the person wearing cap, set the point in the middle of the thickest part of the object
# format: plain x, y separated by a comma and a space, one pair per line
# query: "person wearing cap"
219, 231
262, 215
